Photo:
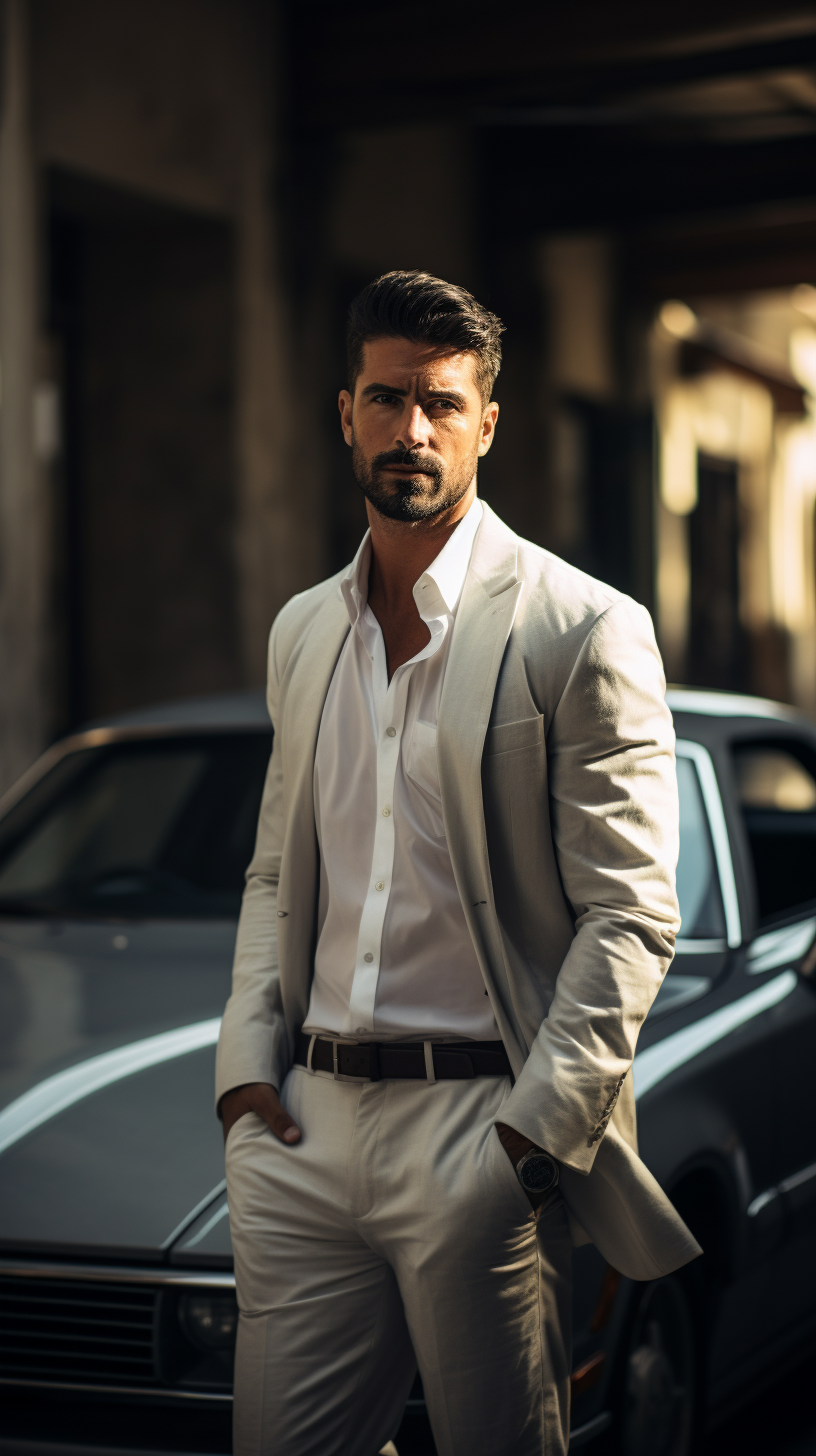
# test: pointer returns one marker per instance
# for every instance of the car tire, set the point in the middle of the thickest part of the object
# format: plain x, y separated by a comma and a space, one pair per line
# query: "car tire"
659, 1378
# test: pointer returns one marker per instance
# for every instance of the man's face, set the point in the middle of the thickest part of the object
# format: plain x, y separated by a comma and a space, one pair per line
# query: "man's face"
416, 427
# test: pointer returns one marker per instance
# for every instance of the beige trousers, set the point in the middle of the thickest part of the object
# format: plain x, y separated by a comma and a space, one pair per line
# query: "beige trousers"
394, 1234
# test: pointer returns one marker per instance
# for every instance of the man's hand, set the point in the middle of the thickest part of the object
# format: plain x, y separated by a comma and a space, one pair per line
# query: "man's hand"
515, 1144
262, 1098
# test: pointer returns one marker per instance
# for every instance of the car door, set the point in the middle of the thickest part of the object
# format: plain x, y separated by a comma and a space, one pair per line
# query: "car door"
775, 780
707, 1064
705, 1042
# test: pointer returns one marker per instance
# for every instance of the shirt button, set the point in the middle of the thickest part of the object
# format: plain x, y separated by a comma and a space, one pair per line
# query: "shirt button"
380, 885
368, 957
386, 812
391, 732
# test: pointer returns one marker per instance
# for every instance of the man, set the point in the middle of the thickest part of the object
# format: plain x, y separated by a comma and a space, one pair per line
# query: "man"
460, 908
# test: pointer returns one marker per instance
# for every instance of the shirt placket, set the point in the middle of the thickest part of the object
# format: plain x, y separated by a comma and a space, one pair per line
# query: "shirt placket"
390, 702
390, 705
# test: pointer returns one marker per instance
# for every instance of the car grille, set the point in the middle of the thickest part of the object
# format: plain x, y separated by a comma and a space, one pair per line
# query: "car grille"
76, 1332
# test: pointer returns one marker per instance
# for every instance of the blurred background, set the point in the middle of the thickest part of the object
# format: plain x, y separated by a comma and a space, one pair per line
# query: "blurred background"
192, 190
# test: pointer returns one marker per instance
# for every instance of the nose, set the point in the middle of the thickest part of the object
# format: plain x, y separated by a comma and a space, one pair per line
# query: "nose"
415, 428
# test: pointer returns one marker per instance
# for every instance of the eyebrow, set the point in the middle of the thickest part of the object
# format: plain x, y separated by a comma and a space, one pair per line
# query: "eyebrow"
372, 389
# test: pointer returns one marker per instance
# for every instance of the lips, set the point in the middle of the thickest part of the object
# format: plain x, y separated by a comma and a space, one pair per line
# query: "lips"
406, 470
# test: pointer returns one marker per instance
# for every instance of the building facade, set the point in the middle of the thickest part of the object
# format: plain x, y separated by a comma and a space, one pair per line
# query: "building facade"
190, 193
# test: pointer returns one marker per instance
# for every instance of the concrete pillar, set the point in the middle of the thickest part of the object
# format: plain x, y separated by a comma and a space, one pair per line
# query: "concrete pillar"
280, 538
22, 525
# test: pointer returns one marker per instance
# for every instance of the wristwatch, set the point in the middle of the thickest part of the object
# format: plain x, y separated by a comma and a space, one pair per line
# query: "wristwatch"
537, 1172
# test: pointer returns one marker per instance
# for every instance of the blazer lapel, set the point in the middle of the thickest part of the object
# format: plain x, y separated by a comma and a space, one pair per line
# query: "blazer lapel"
303, 693
484, 620
306, 683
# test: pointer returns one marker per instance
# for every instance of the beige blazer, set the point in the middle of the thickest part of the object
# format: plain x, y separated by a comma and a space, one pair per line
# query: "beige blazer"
556, 768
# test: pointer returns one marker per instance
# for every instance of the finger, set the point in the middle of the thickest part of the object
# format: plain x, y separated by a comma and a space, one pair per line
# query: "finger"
282, 1125
284, 1128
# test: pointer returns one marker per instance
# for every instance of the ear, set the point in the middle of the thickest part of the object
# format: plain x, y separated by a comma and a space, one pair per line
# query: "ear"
345, 404
488, 430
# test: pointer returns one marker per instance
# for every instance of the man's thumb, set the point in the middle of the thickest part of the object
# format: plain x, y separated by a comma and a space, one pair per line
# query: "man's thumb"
280, 1122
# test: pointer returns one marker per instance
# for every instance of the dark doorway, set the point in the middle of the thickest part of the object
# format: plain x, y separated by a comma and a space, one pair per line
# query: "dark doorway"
716, 655
617, 529
142, 308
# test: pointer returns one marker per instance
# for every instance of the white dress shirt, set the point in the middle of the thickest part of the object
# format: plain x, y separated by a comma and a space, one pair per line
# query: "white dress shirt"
394, 957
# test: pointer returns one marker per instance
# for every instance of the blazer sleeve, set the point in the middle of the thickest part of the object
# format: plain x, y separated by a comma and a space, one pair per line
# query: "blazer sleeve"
253, 1044
614, 807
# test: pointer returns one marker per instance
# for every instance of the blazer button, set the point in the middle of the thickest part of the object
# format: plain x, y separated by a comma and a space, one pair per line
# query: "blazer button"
282, 914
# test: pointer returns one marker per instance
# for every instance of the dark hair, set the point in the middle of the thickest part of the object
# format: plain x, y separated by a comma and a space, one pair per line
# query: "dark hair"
417, 306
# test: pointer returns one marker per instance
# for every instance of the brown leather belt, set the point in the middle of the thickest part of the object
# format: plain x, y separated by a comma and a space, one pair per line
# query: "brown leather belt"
374, 1061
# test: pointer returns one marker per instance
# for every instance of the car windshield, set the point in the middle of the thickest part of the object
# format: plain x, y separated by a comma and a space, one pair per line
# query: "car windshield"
698, 884
142, 828
165, 827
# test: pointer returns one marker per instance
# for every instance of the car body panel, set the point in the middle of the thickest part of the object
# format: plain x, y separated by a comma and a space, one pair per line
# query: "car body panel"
206, 1241
124, 1163
72, 989
121, 1169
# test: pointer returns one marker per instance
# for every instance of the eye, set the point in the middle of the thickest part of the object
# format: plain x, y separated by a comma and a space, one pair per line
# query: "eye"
446, 405
385, 399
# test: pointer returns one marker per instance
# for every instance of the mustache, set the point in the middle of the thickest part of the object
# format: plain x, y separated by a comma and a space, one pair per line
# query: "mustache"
412, 458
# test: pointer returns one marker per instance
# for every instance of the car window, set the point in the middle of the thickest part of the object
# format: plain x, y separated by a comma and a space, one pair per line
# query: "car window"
698, 883
776, 783
771, 778
144, 828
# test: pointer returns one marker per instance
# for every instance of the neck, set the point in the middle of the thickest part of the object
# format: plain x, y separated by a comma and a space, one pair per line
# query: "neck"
402, 550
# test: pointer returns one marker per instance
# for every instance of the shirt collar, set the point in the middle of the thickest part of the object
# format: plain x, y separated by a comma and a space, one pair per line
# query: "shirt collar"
354, 585
439, 588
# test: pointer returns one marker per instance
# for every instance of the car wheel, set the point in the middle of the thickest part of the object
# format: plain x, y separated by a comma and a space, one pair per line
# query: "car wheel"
659, 1399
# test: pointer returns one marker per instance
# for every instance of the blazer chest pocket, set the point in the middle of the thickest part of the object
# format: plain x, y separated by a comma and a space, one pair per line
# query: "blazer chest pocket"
511, 737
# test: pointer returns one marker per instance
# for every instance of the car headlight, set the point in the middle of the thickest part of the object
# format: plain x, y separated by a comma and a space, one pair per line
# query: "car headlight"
209, 1320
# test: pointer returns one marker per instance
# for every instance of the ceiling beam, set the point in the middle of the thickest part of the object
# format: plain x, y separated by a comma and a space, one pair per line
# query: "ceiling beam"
362, 64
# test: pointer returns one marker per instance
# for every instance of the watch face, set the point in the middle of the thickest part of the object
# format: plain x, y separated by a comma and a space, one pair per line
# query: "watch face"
539, 1173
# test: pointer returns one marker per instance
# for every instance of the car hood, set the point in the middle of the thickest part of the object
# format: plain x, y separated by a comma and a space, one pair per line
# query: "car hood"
108, 1141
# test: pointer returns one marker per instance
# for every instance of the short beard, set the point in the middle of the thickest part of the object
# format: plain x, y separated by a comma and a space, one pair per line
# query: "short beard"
417, 497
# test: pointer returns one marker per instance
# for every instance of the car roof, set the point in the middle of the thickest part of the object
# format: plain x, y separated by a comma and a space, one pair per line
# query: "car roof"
248, 709
222, 710
709, 703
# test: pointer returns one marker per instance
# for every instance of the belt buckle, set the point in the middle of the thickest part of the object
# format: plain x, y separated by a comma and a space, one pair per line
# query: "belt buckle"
342, 1076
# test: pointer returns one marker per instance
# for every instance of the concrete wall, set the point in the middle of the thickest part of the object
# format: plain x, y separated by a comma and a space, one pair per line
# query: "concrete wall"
23, 527
176, 100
